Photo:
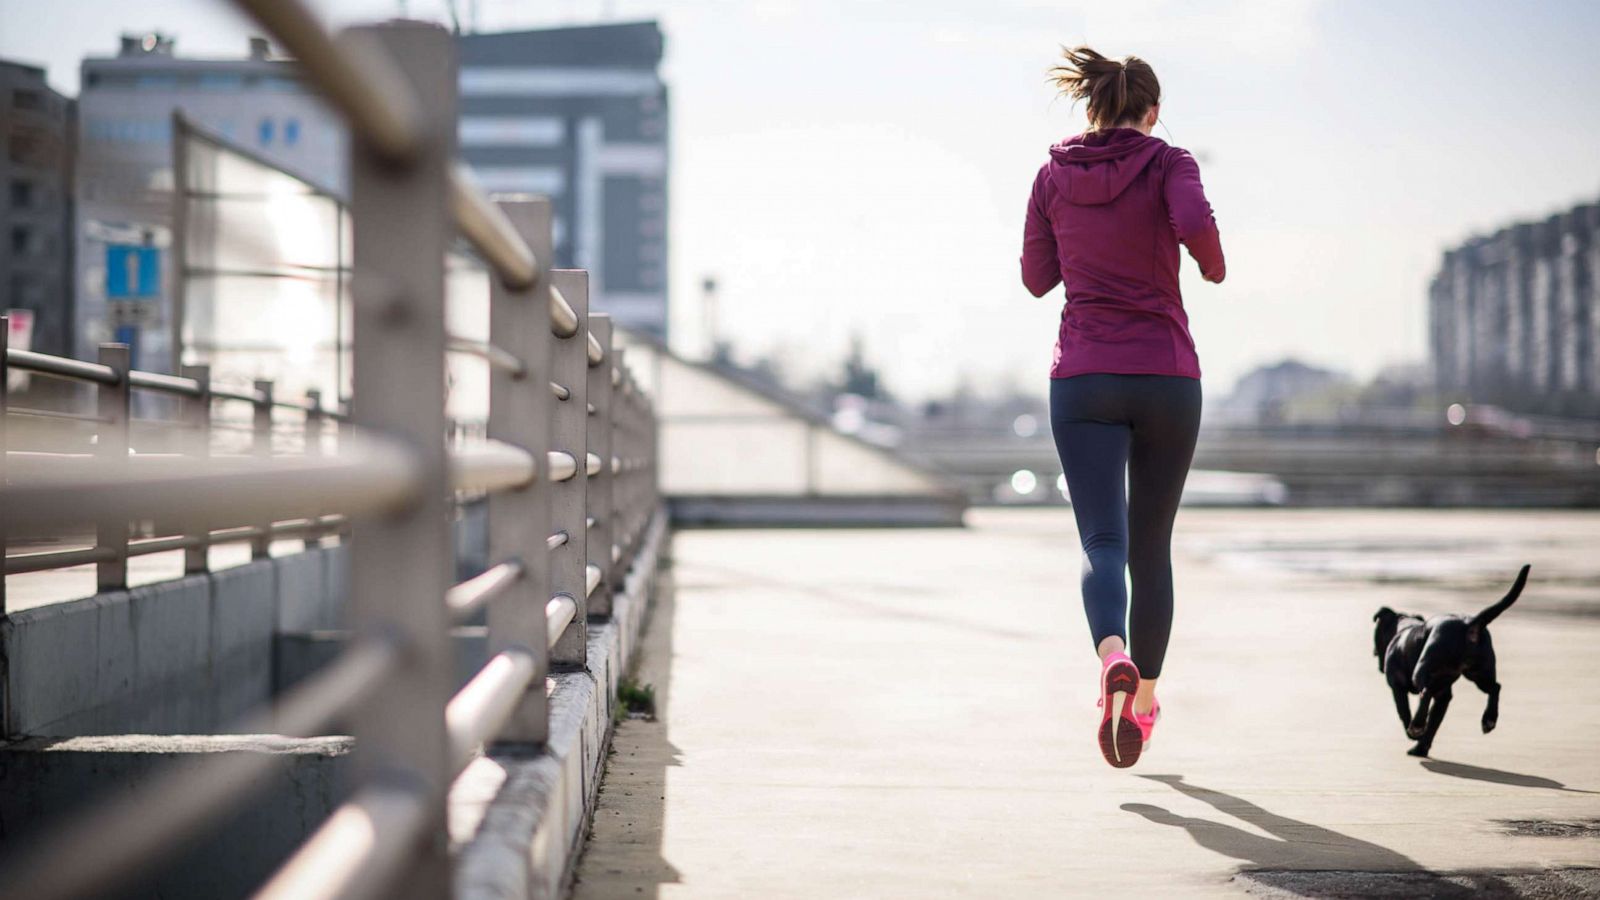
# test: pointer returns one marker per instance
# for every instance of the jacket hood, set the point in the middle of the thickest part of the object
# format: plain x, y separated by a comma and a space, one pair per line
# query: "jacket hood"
1095, 167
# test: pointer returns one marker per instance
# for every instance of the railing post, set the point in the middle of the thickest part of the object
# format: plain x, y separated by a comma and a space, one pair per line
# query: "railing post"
111, 446
652, 456
568, 503
630, 468
622, 491
519, 520
5, 400
196, 413
599, 499
401, 563
261, 445
313, 447
616, 566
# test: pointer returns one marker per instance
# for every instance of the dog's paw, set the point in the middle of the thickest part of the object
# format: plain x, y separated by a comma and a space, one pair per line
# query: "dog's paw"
1418, 750
1488, 725
1415, 731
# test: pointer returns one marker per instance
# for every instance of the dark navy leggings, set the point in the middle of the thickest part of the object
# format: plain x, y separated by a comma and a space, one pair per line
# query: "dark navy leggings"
1137, 430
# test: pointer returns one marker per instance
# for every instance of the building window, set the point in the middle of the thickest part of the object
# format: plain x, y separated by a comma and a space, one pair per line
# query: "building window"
291, 132
264, 132
22, 195
19, 240
26, 149
25, 99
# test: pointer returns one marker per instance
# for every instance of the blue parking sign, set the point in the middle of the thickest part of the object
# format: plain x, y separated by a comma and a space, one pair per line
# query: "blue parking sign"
132, 272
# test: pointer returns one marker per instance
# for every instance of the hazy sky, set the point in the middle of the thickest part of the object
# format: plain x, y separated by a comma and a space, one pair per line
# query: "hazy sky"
855, 166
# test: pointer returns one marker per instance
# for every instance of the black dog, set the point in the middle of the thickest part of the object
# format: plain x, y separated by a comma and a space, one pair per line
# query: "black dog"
1426, 657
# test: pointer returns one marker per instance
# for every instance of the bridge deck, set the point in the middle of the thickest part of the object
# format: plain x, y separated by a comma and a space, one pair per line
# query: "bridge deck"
908, 713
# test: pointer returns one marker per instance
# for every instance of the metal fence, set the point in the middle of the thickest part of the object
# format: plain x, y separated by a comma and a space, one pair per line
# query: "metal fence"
568, 467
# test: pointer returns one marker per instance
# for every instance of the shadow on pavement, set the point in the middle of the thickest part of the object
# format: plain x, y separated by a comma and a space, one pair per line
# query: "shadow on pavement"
623, 854
1293, 844
1497, 776
1308, 860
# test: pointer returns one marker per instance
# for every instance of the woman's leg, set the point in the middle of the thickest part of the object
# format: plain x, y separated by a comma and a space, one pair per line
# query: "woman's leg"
1166, 423
1094, 456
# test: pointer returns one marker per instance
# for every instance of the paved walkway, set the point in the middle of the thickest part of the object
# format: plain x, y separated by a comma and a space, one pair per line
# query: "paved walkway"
910, 714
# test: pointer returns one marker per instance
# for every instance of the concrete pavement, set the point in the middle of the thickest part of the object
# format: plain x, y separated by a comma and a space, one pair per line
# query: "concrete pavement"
909, 713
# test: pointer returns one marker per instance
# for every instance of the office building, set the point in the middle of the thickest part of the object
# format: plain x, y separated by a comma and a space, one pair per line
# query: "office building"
580, 115
124, 280
1515, 317
36, 128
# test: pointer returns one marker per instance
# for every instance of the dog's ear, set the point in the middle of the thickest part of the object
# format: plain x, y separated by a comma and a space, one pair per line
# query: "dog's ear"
1384, 613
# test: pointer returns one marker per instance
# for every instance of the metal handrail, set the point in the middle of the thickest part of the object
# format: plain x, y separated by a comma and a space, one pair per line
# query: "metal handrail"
53, 414
477, 711
372, 476
496, 356
491, 466
563, 318
168, 384
358, 851
487, 228
254, 398
561, 465
62, 367
57, 559
559, 613
477, 592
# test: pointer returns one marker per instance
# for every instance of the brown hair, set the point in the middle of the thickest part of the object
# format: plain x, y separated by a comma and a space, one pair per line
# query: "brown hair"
1118, 91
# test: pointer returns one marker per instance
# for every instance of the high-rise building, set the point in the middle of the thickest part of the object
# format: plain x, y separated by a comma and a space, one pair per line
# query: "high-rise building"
124, 279
580, 115
36, 128
1515, 316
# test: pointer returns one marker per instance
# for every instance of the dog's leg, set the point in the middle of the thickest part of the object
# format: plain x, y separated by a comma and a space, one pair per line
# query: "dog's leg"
1487, 684
1483, 676
1402, 705
1436, 711
1419, 720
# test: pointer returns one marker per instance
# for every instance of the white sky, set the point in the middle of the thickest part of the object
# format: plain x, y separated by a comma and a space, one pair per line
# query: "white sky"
856, 166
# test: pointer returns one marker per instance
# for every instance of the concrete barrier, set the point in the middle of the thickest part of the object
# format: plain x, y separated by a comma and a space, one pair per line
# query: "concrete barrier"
518, 815
187, 656
43, 780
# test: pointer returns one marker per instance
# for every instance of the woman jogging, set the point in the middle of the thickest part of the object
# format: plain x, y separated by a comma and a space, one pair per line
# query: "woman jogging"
1106, 216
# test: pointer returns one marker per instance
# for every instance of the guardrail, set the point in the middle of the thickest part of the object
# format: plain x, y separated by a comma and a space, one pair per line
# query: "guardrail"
569, 467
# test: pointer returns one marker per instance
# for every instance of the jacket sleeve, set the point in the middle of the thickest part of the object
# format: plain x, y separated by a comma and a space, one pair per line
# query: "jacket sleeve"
1191, 215
1041, 267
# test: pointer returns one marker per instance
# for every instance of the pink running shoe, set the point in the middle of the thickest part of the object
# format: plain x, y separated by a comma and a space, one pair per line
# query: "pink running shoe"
1147, 723
1121, 737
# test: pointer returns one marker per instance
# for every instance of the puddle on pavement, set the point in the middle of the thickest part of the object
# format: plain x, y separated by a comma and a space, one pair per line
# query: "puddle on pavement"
1489, 885
1589, 828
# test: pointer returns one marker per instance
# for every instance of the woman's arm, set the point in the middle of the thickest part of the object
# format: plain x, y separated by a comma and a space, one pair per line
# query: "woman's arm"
1041, 268
1191, 215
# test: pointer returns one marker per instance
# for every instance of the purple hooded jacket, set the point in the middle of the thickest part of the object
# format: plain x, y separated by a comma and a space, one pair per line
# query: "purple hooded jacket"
1106, 217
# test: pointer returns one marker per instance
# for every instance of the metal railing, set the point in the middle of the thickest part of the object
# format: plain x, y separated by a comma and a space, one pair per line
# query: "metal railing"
568, 466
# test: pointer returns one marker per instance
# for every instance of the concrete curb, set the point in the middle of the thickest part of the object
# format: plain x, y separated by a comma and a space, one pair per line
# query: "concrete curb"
518, 815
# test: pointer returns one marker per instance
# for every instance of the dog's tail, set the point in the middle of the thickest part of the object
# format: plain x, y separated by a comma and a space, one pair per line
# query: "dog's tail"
1482, 620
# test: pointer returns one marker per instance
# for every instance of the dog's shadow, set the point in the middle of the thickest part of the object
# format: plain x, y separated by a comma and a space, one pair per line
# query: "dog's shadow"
1497, 776
1292, 844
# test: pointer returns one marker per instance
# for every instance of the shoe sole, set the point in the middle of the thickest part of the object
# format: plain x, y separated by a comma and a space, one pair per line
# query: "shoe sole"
1121, 741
